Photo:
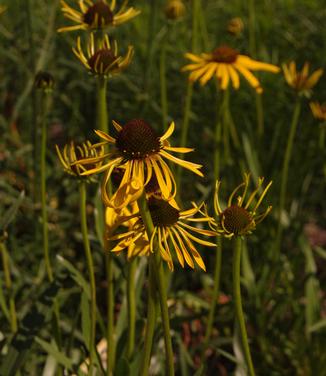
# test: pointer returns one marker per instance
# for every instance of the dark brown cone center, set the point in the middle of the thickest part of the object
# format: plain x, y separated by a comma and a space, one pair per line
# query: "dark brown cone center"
225, 54
137, 140
236, 219
101, 60
162, 213
98, 15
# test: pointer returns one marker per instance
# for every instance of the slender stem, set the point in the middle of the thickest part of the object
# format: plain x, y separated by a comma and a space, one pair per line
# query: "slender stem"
260, 115
223, 101
151, 320
90, 267
45, 108
163, 84
132, 265
238, 303
216, 292
102, 112
8, 283
160, 281
252, 28
285, 173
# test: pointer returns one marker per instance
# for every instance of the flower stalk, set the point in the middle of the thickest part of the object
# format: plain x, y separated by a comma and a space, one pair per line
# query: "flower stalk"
156, 267
238, 303
285, 173
132, 265
8, 284
90, 267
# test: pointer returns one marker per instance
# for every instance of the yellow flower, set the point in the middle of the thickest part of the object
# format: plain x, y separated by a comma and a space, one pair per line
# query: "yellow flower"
170, 229
95, 15
225, 63
235, 26
71, 154
175, 9
103, 59
237, 218
318, 110
140, 152
300, 81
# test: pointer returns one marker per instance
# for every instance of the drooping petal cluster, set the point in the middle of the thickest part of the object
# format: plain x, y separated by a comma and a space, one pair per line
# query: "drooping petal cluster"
240, 217
318, 110
227, 65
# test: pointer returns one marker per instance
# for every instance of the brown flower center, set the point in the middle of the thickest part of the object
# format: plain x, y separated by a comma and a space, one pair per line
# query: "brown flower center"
138, 140
98, 15
162, 213
101, 60
236, 219
225, 54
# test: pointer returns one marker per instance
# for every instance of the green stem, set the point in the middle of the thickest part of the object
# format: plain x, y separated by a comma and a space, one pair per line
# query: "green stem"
45, 108
238, 303
102, 112
132, 265
151, 320
260, 115
103, 125
216, 292
252, 28
285, 173
90, 267
8, 284
163, 84
160, 281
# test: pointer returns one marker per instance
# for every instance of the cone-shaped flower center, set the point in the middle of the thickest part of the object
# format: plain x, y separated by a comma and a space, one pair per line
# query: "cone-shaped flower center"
98, 15
225, 54
162, 213
138, 140
101, 60
236, 219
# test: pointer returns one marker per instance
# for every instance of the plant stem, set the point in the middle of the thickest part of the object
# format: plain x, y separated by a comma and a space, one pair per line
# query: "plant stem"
285, 173
151, 320
260, 115
102, 112
252, 28
216, 293
8, 283
90, 267
132, 265
222, 108
160, 281
238, 303
163, 84
45, 108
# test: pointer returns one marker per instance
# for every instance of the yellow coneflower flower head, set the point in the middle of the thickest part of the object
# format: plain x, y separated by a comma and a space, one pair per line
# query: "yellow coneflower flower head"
71, 154
139, 150
301, 81
94, 15
44, 81
225, 63
103, 59
171, 230
238, 218
235, 26
175, 9
318, 110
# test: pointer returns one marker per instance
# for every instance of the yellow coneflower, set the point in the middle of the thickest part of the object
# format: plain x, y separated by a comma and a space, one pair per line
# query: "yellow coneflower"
96, 14
170, 225
44, 81
71, 154
175, 9
103, 59
141, 152
237, 218
318, 110
235, 26
301, 81
225, 63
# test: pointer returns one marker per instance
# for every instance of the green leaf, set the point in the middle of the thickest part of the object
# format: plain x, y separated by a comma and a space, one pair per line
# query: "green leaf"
317, 326
52, 349
122, 368
251, 157
10, 214
75, 275
3, 304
